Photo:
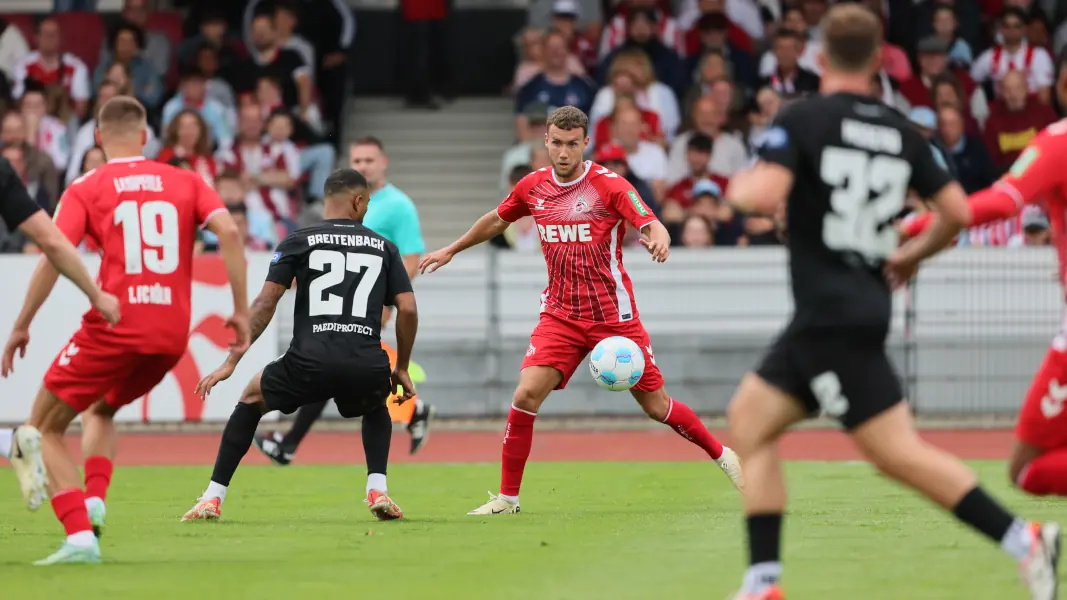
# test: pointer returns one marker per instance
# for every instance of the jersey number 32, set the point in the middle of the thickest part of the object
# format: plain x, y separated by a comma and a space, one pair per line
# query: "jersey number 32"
859, 223
334, 264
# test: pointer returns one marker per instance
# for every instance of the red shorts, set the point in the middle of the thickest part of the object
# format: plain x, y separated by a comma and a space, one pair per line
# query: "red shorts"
1043, 416
563, 345
86, 371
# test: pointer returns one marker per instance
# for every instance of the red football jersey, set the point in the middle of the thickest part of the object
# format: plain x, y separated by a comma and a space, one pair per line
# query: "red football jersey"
144, 216
582, 224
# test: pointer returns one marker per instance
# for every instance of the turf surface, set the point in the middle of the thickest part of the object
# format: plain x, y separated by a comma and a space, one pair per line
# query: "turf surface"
589, 531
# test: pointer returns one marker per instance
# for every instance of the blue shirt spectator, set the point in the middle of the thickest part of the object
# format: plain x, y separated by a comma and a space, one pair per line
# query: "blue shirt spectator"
392, 215
126, 42
192, 94
555, 86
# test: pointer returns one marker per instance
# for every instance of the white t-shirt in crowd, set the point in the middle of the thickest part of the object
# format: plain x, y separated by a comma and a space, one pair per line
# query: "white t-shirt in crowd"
649, 161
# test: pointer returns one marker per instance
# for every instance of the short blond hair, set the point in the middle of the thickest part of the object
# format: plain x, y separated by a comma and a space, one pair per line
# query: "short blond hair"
121, 115
852, 36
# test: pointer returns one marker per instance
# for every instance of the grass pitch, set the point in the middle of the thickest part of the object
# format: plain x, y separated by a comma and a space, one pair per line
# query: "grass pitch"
589, 531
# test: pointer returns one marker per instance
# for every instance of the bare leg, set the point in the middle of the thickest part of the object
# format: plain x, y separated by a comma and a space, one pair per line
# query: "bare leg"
759, 414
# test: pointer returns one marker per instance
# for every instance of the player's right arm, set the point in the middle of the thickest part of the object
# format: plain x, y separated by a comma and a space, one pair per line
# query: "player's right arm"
490, 225
763, 188
217, 219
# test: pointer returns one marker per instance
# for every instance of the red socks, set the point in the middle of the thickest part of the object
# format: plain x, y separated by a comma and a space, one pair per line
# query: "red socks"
1046, 475
69, 506
683, 420
518, 439
98, 470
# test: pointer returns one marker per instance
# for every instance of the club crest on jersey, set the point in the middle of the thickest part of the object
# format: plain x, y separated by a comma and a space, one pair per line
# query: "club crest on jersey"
640, 206
580, 206
277, 256
773, 139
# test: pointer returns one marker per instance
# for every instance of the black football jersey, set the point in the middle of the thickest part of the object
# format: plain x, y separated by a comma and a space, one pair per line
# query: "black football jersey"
345, 275
853, 160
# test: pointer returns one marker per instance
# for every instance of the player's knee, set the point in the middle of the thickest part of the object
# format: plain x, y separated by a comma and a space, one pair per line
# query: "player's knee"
100, 410
656, 405
527, 398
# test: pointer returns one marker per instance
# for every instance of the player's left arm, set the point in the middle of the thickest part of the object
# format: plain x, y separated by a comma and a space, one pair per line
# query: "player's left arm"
629, 204
214, 217
763, 188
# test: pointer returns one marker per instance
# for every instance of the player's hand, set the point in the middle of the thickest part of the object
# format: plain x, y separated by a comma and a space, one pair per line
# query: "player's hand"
18, 341
108, 307
899, 269
203, 387
401, 379
659, 250
435, 260
242, 332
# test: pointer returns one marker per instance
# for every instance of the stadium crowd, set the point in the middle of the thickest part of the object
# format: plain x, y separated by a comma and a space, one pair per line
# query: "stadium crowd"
252, 110
678, 94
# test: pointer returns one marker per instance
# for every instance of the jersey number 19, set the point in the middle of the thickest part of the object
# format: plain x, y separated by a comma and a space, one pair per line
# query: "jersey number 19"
858, 223
334, 264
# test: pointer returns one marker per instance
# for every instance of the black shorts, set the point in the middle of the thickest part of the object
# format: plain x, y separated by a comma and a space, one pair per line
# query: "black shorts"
357, 389
846, 375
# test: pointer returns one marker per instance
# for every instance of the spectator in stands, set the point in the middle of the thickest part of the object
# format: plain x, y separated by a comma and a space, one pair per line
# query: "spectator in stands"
946, 29
218, 89
708, 203
44, 132
712, 68
539, 158
85, 139
697, 156
768, 103
49, 66
39, 166
260, 224
631, 73
521, 234
814, 11
973, 166
286, 18
532, 61
154, 46
126, 42
948, 91
93, 159
744, 26
187, 138
641, 35
317, 158
712, 35
268, 59
192, 95
665, 27
564, 19
554, 86
213, 33
15, 155
650, 128
789, 78
1015, 53
1035, 229
728, 153
13, 47
119, 74
519, 154
613, 157
793, 20
1061, 85
697, 232
1014, 120
646, 159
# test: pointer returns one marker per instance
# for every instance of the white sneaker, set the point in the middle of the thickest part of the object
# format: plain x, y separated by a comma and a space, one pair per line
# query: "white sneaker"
730, 464
1038, 569
496, 506
28, 465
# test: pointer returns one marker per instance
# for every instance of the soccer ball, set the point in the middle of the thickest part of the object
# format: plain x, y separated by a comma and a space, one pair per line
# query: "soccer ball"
617, 363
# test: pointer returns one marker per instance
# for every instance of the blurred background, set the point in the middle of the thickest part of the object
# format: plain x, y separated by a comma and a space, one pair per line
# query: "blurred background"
447, 100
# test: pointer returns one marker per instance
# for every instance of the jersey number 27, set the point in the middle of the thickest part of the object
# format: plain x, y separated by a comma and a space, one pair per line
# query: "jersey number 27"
334, 264
858, 222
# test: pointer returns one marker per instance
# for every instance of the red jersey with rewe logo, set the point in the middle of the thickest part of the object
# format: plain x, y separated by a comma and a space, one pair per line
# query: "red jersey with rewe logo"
144, 216
582, 224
